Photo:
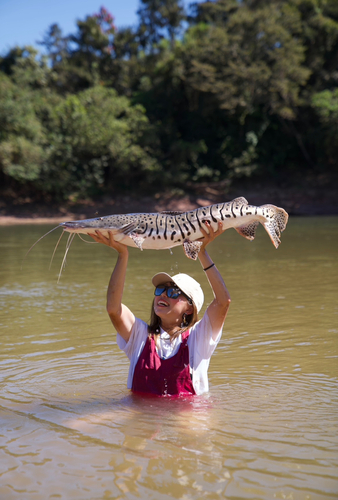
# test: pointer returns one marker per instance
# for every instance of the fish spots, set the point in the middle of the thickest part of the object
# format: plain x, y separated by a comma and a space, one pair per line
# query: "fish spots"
187, 229
179, 227
143, 228
198, 221
191, 224
221, 211
211, 214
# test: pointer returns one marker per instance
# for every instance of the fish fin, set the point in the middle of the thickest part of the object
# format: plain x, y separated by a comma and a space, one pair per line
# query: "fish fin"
248, 230
191, 248
241, 200
137, 239
273, 231
276, 223
128, 228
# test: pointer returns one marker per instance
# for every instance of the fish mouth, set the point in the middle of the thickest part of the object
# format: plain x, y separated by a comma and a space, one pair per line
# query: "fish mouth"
79, 226
73, 225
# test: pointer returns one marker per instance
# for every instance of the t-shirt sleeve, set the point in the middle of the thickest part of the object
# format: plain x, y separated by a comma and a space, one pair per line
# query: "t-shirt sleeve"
137, 337
201, 338
201, 347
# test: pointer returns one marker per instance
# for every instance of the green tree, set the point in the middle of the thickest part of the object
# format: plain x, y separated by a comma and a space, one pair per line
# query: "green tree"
158, 17
237, 72
326, 105
98, 142
84, 58
21, 135
245, 87
55, 44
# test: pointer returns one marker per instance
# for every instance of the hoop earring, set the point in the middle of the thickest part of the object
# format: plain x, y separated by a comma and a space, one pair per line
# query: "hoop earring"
184, 321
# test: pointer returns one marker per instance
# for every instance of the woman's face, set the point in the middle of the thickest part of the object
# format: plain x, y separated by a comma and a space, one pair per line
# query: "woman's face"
170, 309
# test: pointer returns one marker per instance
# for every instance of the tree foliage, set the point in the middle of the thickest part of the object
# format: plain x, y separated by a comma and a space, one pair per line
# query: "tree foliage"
229, 89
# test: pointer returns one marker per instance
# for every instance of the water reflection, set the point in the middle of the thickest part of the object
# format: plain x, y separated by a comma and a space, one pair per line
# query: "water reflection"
268, 427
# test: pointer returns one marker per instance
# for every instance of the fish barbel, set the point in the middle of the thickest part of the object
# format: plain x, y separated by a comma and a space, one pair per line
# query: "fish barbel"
164, 230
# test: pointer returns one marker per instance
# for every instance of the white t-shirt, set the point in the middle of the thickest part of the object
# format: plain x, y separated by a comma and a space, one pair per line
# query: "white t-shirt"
200, 343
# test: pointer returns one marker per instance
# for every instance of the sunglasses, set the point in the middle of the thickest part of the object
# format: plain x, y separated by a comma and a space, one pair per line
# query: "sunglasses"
172, 292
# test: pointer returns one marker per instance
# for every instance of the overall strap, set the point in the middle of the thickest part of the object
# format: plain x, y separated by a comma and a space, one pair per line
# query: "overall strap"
154, 359
185, 336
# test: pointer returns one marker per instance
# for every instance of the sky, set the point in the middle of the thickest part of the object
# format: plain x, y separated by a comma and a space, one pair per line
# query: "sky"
24, 22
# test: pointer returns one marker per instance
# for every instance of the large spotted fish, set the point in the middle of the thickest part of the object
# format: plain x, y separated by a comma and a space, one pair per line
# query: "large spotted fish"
169, 229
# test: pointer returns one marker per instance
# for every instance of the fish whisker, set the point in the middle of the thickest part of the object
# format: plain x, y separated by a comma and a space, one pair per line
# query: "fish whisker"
69, 242
41, 238
86, 241
57, 244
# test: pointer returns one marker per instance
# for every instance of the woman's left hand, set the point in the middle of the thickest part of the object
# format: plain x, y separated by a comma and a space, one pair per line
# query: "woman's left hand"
211, 234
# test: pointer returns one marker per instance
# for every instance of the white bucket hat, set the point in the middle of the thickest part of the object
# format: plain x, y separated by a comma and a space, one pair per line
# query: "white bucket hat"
186, 283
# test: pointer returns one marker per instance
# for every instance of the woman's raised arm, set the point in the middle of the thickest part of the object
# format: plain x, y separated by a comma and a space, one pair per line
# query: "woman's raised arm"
218, 308
121, 316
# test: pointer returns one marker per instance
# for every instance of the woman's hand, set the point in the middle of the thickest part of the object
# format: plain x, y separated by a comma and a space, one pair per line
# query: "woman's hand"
209, 236
110, 242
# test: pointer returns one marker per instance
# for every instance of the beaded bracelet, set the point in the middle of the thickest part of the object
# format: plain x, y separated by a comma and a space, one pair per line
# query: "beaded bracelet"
212, 265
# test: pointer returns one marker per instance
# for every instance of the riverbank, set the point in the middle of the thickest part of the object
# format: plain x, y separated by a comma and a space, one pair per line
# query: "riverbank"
296, 200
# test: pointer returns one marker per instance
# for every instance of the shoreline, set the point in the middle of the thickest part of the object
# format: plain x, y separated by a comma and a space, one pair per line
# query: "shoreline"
296, 201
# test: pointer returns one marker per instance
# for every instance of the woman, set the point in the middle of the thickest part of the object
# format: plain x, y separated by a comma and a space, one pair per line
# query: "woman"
171, 355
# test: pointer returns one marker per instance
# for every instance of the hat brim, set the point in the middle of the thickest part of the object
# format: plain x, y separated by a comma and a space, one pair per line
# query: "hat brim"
161, 278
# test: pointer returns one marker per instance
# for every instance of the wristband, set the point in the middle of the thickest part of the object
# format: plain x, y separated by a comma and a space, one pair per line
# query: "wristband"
212, 265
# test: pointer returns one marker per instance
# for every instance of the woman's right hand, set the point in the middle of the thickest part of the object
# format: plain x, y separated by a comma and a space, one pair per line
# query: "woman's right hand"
110, 242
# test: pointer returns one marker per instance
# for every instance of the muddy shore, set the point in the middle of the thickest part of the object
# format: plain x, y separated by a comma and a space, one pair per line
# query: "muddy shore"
296, 200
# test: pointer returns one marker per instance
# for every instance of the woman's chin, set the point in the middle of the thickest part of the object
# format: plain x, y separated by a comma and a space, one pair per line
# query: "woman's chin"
161, 310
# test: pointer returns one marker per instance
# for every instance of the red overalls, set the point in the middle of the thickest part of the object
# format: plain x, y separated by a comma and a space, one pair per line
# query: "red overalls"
163, 376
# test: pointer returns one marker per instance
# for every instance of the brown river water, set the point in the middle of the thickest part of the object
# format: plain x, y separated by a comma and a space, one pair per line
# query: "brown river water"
268, 428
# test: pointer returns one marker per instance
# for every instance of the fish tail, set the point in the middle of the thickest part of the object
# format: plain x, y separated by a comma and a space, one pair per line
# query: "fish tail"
275, 223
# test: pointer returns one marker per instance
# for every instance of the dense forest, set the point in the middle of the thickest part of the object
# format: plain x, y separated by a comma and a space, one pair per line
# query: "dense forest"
222, 91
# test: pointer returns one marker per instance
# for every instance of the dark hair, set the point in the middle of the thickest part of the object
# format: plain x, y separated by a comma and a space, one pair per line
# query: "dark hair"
155, 322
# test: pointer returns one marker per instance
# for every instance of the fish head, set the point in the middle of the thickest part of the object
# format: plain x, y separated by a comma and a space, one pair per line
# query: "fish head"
85, 226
